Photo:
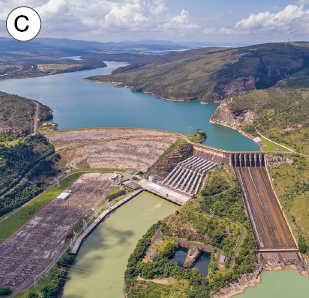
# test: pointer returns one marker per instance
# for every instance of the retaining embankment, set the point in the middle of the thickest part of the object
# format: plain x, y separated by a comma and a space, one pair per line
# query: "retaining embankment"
90, 229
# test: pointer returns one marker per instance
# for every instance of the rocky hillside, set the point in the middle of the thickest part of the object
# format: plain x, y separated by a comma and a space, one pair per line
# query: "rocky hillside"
212, 74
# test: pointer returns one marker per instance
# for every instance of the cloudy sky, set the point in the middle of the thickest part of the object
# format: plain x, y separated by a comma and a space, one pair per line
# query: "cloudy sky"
243, 21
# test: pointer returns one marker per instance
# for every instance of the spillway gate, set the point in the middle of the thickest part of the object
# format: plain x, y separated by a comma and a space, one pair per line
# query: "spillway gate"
247, 159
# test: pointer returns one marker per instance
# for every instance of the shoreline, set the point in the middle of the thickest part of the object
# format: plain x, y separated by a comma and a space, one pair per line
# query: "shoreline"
146, 92
236, 129
240, 289
177, 100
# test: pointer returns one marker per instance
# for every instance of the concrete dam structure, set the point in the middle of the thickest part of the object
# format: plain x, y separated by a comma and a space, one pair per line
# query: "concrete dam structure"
247, 159
187, 176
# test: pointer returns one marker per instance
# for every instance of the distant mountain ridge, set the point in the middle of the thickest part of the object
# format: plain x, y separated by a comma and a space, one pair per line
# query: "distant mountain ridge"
214, 73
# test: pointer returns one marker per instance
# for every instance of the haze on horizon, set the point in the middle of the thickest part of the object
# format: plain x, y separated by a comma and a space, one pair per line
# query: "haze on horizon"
234, 21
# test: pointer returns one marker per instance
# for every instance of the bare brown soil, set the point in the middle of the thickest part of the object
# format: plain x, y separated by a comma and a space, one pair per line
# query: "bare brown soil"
133, 153
69, 138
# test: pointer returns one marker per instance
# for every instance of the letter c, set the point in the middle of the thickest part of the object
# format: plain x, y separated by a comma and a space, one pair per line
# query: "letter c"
16, 26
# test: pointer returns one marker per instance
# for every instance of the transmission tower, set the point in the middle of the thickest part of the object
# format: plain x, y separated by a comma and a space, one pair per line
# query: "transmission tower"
189, 129
211, 213
36, 282
84, 225
58, 183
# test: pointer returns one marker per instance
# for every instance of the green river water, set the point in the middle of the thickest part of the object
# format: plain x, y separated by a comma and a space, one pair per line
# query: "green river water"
280, 284
102, 259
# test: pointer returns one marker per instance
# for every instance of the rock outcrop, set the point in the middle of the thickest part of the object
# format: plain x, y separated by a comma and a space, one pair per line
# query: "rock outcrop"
192, 257
242, 282
224, 116
238, 85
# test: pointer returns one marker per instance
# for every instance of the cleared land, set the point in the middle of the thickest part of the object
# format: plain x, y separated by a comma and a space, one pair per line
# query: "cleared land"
133, 153
69, 138
270, 227
33, 246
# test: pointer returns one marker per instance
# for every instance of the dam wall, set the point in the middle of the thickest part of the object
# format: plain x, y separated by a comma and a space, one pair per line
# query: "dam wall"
217, 156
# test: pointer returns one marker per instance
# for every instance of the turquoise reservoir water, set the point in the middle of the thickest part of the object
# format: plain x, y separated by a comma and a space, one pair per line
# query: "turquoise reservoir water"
78, 103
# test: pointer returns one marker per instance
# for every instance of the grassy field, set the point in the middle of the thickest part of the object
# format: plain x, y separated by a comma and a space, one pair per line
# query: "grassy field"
42, 282
13, 223
291, 182
48, 67
270, 146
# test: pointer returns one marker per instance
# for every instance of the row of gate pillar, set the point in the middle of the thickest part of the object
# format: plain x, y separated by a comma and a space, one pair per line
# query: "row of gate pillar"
247, 159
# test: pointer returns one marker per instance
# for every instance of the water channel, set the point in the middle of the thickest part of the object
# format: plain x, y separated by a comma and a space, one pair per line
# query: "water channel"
78, 104
102, 259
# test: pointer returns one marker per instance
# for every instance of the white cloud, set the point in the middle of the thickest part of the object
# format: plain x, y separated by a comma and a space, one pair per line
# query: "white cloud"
99, 16
293, 20
290, 17
181, 21
210, 31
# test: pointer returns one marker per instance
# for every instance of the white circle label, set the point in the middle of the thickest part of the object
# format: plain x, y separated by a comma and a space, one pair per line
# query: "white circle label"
23, 23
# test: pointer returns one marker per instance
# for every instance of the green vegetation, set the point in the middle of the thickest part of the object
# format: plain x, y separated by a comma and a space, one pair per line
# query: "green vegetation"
215, 184
212, 73
291, 182
14, 222
160, 267
15, 161
199, 136
17, 114
21, 66
178, 152
270, 146
116, 192
190, 224
52, 282
230, 205
5, 291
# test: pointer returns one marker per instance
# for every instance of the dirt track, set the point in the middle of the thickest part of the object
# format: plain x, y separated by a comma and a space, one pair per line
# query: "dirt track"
269, 225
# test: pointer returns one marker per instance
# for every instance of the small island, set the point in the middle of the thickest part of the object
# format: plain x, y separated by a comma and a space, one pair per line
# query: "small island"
198, 137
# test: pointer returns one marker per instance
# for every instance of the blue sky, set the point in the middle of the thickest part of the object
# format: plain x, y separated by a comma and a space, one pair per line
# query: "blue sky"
242, 21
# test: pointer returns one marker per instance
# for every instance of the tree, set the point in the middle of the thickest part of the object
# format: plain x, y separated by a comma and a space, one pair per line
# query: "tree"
302, 244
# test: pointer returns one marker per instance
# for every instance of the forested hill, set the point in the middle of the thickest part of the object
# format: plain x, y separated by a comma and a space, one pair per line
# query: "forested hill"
17, 114
212, 74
